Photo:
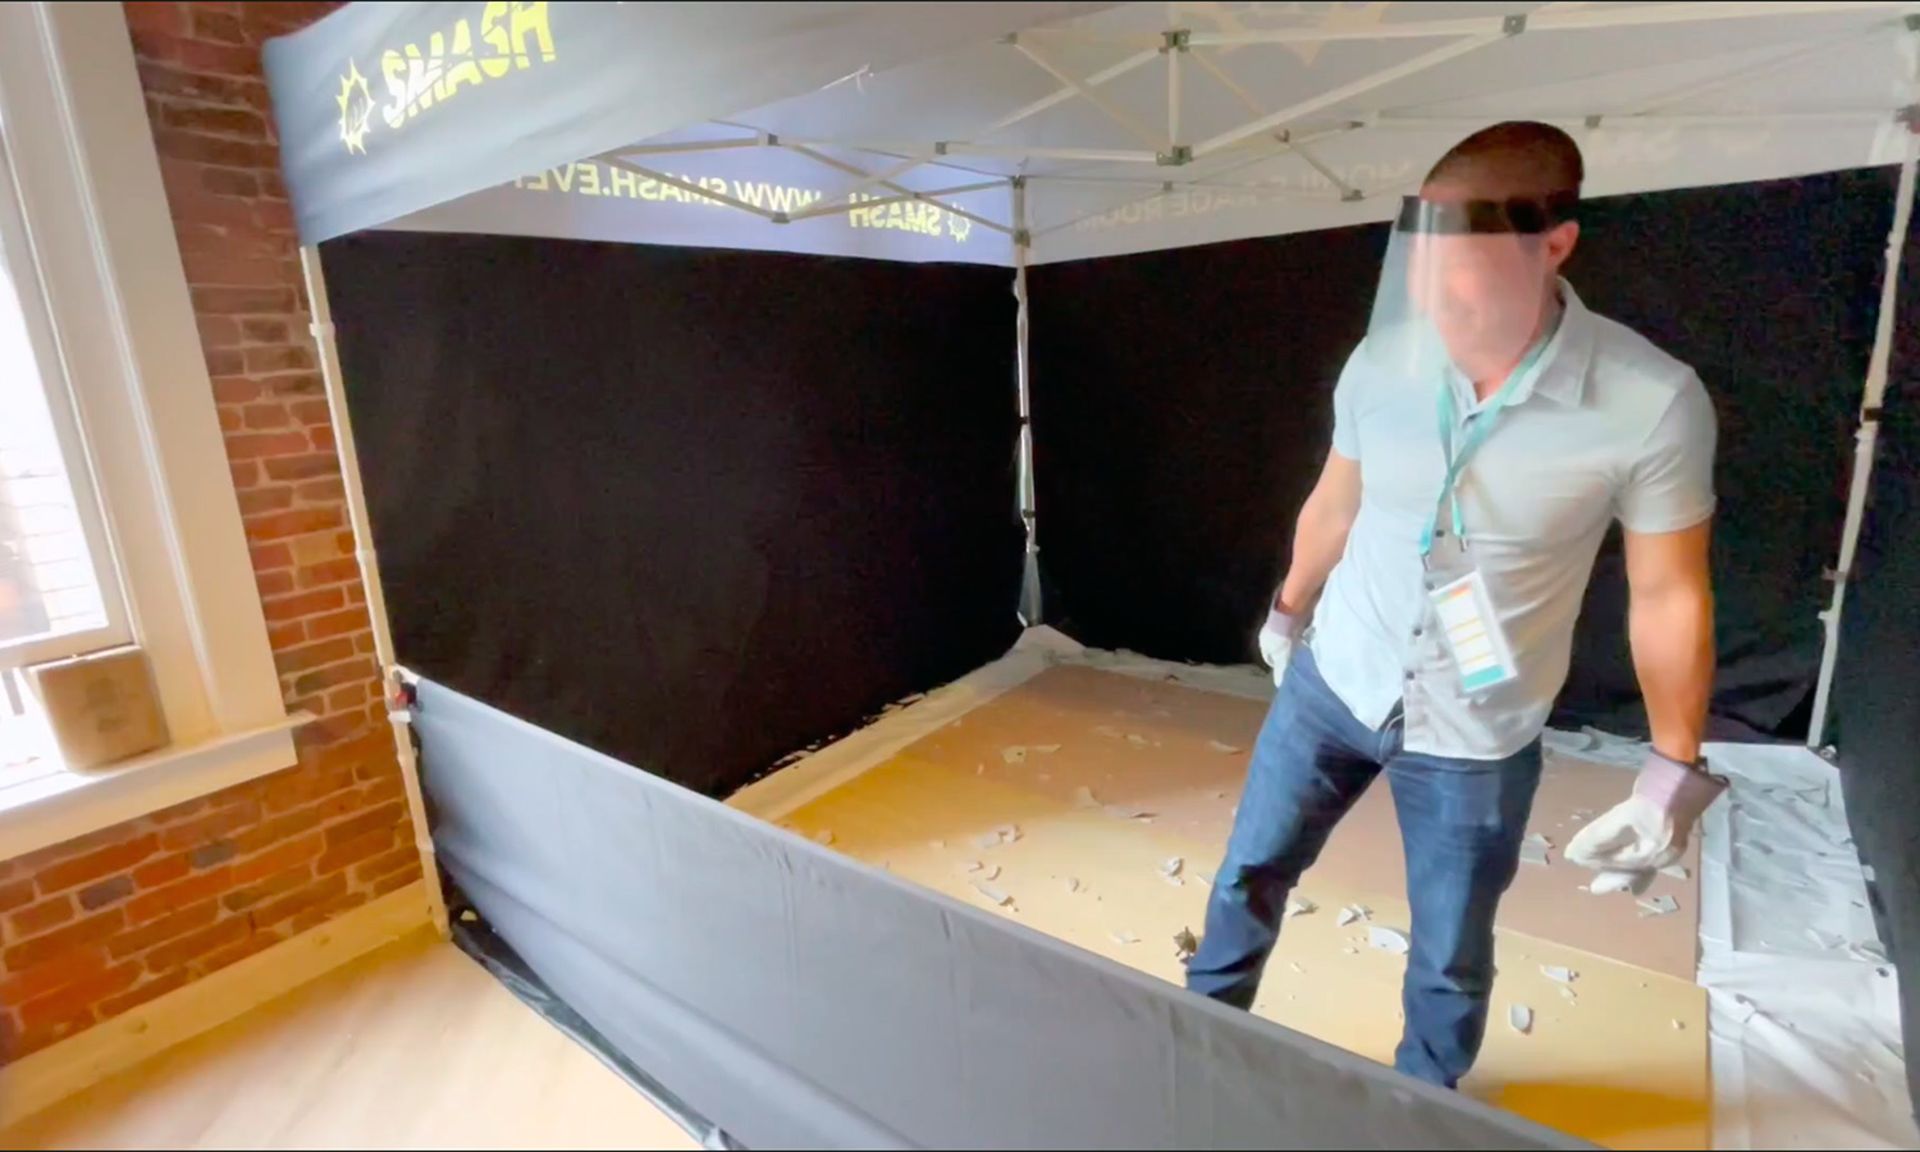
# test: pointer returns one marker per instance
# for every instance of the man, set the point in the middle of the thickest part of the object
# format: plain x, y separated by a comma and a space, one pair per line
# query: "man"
1486, 433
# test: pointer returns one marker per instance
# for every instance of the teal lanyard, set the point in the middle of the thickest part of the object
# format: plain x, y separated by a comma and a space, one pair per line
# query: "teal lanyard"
1477, 434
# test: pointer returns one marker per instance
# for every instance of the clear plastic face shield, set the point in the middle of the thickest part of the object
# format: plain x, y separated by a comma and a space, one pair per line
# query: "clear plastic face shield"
1466, 284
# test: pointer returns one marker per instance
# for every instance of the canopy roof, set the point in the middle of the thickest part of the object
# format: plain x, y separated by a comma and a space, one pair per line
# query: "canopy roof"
897, 130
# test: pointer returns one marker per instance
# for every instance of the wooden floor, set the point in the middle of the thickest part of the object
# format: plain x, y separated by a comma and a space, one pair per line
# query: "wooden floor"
414, 1046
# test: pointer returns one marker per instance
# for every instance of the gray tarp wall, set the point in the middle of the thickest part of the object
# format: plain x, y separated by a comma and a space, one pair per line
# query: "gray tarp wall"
797, 998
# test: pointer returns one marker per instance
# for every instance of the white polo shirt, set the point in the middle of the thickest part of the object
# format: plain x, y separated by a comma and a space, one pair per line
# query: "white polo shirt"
1608, 428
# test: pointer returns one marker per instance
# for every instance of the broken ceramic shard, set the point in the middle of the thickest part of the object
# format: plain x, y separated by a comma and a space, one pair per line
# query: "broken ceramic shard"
1172, 866
1659, 906
1109, 732
1569, 995
1301, 906
1824, 940
1008, 833
1223, 749
1185, 945
1124, 938
992, 873
469, 916
1297, 968
1607, 883
971, 866
1014, 755
1083, 798
1387, 940
1534, 850
1675, 871
1558, 974
1346, 917
1137, 740
823, 837
1520, 1019
997, 897
1679, 1027
1122, 812
1204, 878
1073, 884
1046, 749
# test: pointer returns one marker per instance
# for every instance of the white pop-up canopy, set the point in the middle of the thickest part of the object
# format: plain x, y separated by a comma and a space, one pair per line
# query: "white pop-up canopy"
1017, 133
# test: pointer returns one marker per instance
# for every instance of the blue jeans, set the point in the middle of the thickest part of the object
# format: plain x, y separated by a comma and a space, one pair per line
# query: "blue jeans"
1461, 824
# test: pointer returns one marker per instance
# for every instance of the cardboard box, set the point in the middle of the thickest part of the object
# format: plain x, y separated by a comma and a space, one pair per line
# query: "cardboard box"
100, 708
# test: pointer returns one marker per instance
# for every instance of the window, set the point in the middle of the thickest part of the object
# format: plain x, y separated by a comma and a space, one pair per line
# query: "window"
59, 591
118, 519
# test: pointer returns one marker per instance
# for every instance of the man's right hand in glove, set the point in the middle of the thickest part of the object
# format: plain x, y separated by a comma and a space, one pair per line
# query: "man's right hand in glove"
1276, 638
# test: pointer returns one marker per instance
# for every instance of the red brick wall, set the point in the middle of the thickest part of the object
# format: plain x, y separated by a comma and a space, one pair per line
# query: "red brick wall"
96, 926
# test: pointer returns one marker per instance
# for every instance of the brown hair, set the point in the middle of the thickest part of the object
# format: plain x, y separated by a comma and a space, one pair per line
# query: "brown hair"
1521, 156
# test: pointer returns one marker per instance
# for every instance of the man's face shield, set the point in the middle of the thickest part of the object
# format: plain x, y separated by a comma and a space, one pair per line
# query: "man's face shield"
1466, 283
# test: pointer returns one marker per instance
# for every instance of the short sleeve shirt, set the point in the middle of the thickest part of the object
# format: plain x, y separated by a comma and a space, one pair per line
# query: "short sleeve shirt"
1608, 428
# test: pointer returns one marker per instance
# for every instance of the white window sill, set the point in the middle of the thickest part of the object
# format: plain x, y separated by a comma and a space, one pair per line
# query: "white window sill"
51, 807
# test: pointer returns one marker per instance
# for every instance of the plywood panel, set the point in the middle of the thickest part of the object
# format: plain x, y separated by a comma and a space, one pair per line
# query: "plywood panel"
1607, 1064
1181, 754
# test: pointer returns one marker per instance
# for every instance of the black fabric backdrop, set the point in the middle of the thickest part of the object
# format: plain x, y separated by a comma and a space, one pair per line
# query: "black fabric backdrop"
692, 509
1876, 714
1182, 406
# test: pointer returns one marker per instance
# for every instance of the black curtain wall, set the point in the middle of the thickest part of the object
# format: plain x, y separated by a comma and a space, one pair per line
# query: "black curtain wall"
692, 509
1182, 408
1876, 691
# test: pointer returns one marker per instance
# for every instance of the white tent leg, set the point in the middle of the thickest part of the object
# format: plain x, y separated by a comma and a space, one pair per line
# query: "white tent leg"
370, 572
1030, 607
1866, 438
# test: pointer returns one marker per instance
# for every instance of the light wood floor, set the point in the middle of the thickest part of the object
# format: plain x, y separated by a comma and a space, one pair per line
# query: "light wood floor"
413, 1046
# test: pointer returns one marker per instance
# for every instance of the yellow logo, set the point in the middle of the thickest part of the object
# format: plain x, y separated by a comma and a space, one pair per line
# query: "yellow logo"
959, 227
356, 109
513, 35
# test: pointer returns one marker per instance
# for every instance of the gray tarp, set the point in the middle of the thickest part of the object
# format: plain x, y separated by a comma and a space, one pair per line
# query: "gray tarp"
385, 109
798, 998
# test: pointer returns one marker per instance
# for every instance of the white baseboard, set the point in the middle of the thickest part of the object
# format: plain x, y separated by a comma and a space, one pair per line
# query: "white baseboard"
52, 1074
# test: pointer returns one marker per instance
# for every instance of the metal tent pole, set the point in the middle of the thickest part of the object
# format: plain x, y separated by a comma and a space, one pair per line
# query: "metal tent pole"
1868, 434
1030, 606
362, 528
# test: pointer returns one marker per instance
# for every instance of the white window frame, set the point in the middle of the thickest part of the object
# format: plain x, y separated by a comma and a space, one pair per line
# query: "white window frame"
16, 252
89, 187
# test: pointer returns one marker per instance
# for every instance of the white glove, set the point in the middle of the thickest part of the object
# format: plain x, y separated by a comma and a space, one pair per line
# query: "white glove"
1276, 639
1648, 830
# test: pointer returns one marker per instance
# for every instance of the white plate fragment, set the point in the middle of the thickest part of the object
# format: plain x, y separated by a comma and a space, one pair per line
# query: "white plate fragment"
1083, 798
823, 837
1223, 749
1073, 884
1138, 741
1172, 866
1297, 968
1353, 912
1386, 940
1301, 906
994, 895
1046, 749
1569, 995
1014, 755
1520, 1019
1124, 938
1659, 906
971, 866
992, 873
1558, 974
1109, 732
1676, 871
1204, 878
1122, 812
